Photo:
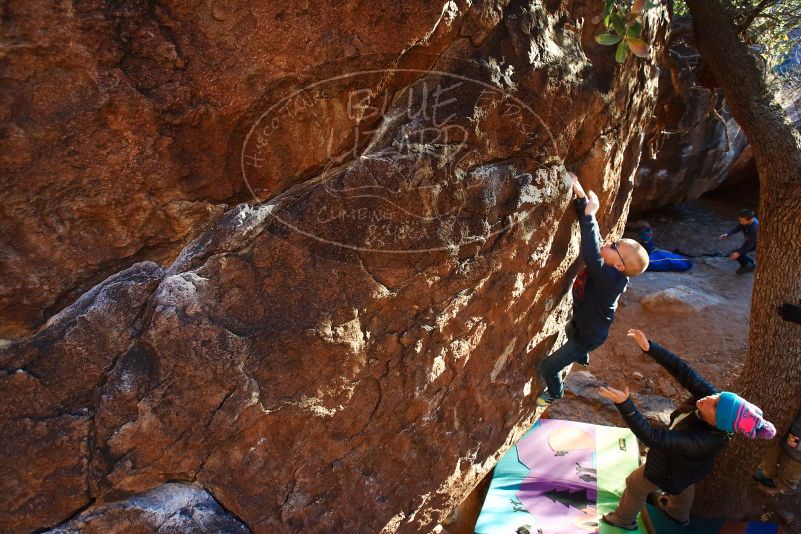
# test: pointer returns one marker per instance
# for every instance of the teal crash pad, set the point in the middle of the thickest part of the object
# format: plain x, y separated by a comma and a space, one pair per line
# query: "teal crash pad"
560, 478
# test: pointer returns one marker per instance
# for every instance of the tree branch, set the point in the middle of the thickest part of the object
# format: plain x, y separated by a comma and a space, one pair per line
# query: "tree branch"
744, 24
751, 103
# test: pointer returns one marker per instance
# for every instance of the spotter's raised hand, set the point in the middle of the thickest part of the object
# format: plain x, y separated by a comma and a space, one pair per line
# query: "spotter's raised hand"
614, 395
640, 338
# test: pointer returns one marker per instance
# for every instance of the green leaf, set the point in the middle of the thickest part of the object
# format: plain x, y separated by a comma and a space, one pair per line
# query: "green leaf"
634, 30
650, 4
618, 24
607, 39
610, 5
620, 53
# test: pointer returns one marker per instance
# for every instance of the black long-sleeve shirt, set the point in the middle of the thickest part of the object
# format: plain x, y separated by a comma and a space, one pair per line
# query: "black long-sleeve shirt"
684, 454
749, 233
594, 307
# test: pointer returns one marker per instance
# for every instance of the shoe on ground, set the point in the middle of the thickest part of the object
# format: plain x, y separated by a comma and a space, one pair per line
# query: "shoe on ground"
746, 269
610, 519
767, 489
764, 479
545, 399
660, 501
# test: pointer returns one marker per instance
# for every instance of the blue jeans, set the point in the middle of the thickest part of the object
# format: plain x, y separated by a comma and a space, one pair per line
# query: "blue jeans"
745, 260
575, 350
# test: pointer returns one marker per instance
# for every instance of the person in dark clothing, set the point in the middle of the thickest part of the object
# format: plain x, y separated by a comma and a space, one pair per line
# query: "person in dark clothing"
683, 454
780, 469
595, 294
749, 226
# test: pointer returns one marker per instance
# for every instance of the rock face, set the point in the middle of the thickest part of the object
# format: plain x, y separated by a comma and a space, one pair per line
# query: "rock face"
352, 350
163, 510
114, 149
680, 299
692, 142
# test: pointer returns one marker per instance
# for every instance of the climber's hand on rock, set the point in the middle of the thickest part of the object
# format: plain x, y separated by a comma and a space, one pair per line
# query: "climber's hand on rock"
734, 255
723, 236
592, 203
639, 337
614, 395
577, 189
792, 440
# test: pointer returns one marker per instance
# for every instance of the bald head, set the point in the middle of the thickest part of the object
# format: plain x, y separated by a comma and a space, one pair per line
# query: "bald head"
627, 256
634, 256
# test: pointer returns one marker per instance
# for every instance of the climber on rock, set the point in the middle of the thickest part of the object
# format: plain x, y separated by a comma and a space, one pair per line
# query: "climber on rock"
683, 454
595, 294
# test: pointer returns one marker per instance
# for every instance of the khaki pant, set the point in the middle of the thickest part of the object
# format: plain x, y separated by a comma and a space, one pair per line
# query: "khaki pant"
781, 467
637, 490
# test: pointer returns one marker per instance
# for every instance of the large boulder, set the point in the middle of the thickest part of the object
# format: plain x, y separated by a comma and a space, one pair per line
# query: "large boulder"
165, 509
692, 143
354, 348
117, 120
680, 299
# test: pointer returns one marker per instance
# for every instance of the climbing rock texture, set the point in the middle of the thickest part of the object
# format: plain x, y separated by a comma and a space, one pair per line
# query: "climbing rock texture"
117, 117
692, 144
165, 509
353, 346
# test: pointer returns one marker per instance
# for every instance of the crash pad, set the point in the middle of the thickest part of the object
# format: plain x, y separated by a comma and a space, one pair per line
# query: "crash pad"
559, 478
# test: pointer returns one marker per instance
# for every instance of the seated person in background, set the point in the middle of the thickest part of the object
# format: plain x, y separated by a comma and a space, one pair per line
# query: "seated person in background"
684, 454
780, 469
660, 260
748, 225
646, 236
595, 294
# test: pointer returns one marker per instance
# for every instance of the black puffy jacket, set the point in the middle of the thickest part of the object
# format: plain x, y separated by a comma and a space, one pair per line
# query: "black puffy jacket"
685, 454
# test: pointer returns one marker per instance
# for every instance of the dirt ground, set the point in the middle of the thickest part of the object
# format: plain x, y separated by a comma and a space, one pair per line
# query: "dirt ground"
706, 322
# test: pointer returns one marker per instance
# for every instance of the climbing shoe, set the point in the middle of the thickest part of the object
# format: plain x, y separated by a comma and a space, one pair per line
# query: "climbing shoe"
768, 490
545, 399
610, 519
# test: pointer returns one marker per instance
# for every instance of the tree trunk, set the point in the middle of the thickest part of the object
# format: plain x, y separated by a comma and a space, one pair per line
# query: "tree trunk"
771, 376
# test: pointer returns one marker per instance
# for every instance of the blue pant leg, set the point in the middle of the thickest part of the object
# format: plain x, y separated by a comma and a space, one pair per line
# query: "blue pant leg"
743, 259
572, 351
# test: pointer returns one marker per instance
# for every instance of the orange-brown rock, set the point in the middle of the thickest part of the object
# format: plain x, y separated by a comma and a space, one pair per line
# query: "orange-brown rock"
116, 118
353, 348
